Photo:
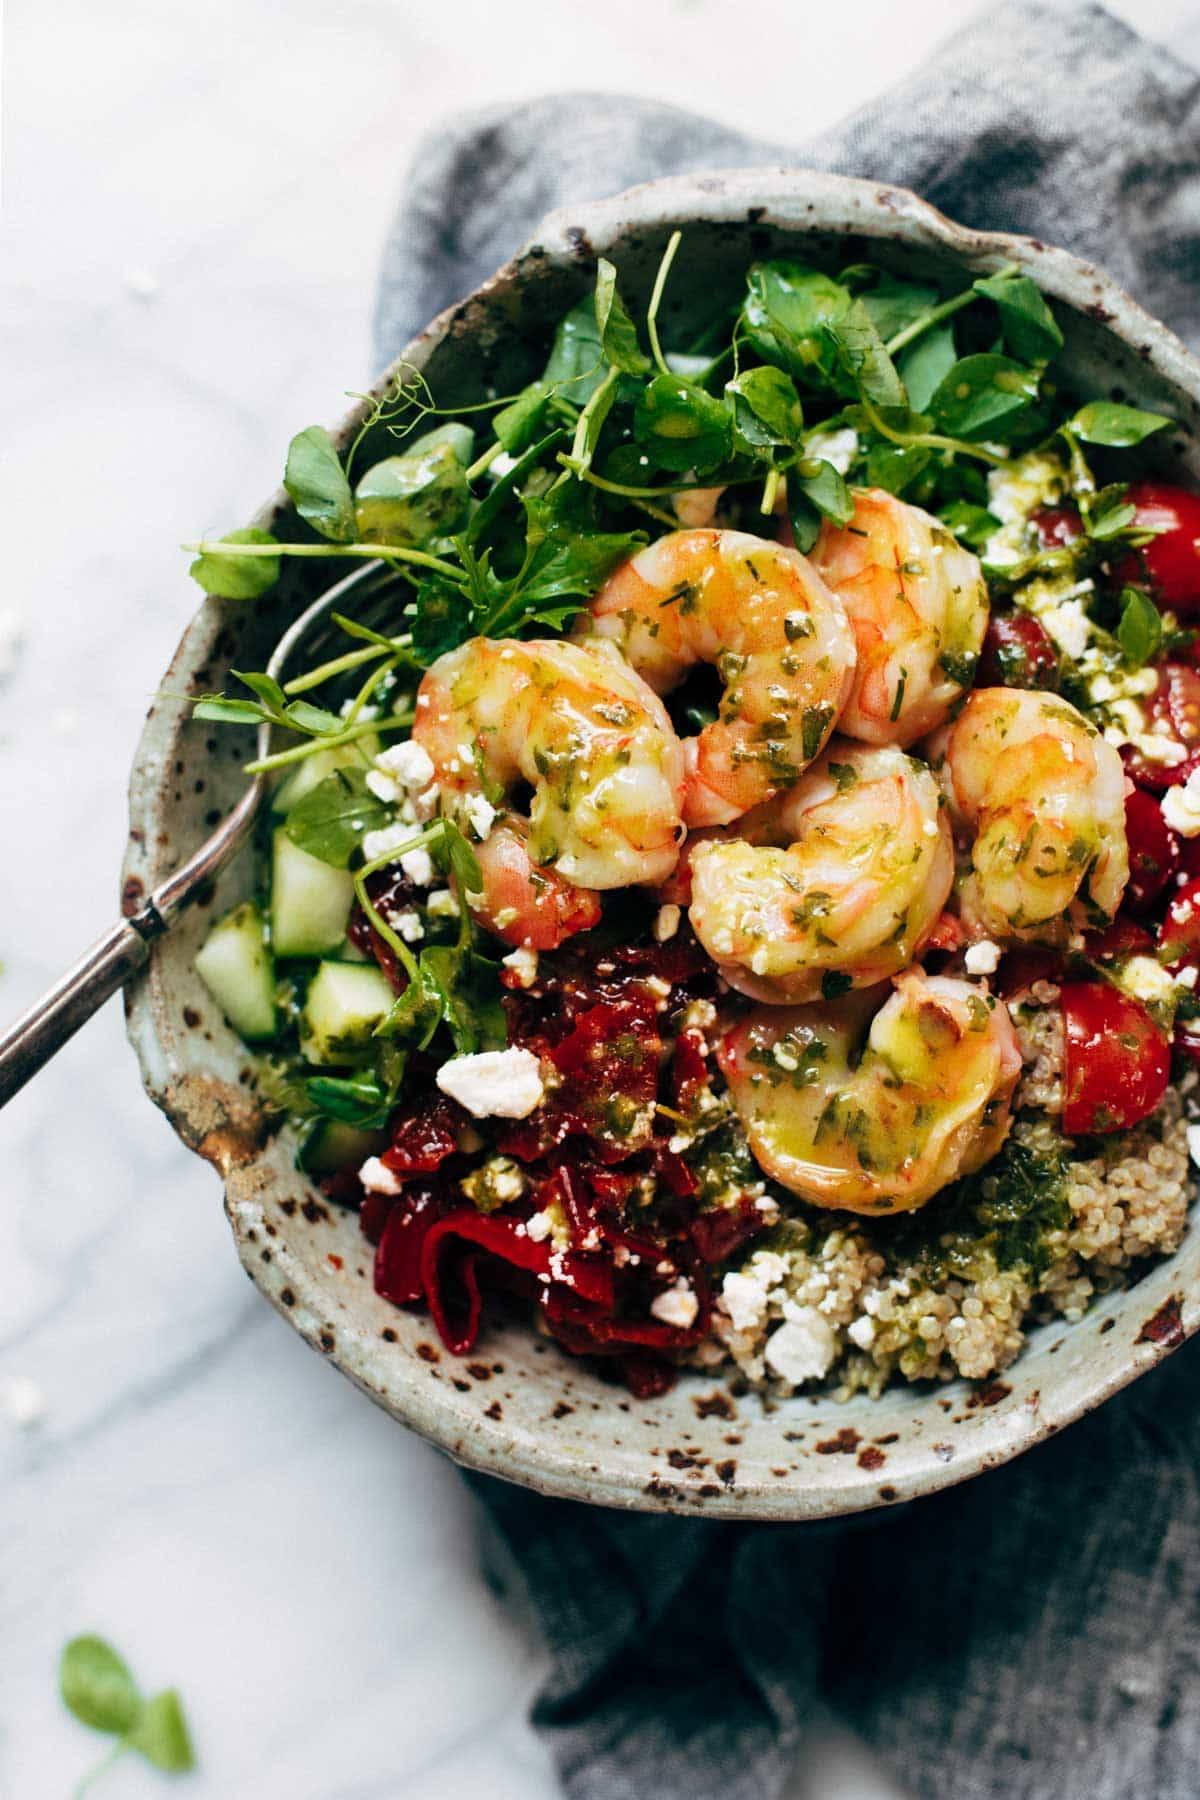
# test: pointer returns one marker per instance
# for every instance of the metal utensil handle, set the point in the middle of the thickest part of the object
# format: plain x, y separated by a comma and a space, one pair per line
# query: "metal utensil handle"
57, 1016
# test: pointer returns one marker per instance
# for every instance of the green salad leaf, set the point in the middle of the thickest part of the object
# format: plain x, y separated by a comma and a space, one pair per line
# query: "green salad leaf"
237, 577
317, 485
1106, 422
330, 820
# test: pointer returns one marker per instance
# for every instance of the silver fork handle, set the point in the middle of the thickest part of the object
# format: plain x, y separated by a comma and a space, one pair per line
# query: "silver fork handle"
57, 1016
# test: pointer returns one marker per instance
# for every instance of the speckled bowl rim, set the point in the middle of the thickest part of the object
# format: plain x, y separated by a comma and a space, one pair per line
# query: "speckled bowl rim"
226, 1128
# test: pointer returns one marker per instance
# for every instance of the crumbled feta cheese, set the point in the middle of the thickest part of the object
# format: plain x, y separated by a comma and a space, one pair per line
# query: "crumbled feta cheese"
1019, 488
658, 985
381, 843
1147, 980
1068, 625
838, 448
481, 815
442, 904
494, 1183
410, 925
803, 1348
383, 787
418, 866
861, 1331
1186, 978
499, 1084
744, 1300
1181, 806
677, 1306
22, 1399
538, 1227
377, 1178
982, 958
524, 964
666, 923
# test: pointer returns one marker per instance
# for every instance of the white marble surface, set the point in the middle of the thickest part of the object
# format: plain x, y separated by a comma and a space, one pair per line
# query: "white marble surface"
194, 200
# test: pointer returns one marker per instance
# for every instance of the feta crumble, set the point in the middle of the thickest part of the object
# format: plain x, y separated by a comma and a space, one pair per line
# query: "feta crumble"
666, 923
408, 923
381, 843
539, 1227
524, 965
1181, 806
418, 866
442, 904
499, 1084
678, 1305
982, 958
802, 1348
838, 448
480, 814
377, 1178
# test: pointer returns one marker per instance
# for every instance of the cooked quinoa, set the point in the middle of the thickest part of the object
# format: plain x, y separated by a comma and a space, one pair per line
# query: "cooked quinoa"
856, 1306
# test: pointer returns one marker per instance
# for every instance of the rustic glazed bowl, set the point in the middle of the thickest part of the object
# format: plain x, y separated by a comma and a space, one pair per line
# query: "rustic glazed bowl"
516, 1406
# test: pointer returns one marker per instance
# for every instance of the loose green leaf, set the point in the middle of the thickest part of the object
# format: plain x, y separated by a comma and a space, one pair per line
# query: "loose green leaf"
981, 394
1106, 422
1031, 332
787, 314
895, 305
1109, 513
227, 712
577, 366
972, 525
97, 1685
824, 488
766, 408
160, 1734
237, 577
681, 427
331, 819
618, 334
491, 508
924, 365
518, 424
470, 997
1140, 630
896, 466
862, 361
419, 496
317, 484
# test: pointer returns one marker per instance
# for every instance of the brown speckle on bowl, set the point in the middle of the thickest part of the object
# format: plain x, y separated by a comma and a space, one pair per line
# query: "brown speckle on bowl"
1164, 1327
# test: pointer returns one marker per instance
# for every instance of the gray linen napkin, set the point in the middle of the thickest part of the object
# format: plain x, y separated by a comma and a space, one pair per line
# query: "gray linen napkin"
1033, 1635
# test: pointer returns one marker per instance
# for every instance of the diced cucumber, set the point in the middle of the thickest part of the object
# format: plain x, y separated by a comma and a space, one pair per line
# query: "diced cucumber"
331, 1144
313, 770
310, 900
236, 967
345, 1002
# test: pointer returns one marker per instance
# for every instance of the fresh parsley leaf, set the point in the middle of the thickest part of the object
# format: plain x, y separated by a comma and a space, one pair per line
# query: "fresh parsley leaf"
982, 393
237, 577
766, 408
1106, 422
330, 820
1140, 630
317, 484
618, 334
97, 1685
1031, 332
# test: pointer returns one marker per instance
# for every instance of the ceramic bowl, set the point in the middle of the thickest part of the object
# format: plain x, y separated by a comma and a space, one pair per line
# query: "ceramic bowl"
516, 1406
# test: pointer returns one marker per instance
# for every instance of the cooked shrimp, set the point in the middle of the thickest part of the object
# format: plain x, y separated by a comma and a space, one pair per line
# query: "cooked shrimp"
918, 606
1041, 797
880, 1126
836, 883
576, 724
778, 638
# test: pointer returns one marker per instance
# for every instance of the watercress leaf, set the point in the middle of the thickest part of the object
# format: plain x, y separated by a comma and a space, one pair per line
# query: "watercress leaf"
517, 424
591, 422
492, 506
982, 393
861, 360
441, 621
97, 1686
681, 427
576, 366
1031, 332
267, 689
825, 489
415, 497
896, 466
924, 364
766, 408
237, 577
358, 1100
469, 994
317, 484
160, 1734
302, 715
1107, 422
330, 820
894, 305
785, 315
575, 566
971, 524
618, 334
227, 712
1140, 630
1109, 513
464, 864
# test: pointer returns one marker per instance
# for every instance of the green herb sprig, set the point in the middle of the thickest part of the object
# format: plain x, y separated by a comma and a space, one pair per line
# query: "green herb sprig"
97, 1686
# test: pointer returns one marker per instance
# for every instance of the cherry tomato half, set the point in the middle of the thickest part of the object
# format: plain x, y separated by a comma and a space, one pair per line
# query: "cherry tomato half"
1153, 850
1057, 526
1117, 941
1170, 563
1117, 1060
1179, 935
1017, 652
1175, 705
